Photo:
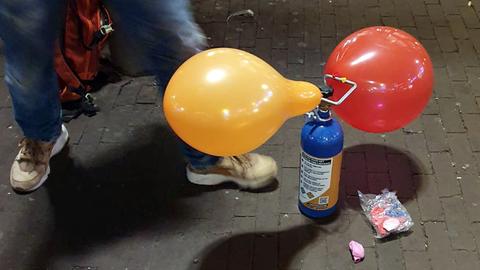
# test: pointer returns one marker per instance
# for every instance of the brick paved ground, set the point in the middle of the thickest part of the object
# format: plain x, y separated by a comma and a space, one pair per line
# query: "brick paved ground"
118, 199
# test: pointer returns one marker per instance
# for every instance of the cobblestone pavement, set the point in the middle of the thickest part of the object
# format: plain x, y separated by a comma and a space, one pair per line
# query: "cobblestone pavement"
117, 198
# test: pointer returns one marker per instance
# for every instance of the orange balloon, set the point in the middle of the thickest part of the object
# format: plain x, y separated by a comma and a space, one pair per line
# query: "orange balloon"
227, 102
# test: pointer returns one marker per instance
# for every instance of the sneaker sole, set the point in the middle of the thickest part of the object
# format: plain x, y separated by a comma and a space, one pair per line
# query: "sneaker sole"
57, 147
216, 179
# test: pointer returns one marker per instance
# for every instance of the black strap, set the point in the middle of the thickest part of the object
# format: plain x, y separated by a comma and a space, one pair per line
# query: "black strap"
97, 37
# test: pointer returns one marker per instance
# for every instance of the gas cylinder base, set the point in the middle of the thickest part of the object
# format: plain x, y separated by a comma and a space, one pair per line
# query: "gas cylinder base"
316, 214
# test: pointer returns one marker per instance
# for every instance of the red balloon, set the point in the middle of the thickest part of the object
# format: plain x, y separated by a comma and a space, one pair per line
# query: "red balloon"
394, 76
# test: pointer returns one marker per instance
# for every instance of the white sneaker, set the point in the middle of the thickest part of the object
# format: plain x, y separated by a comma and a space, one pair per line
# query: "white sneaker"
250, 171
31, 166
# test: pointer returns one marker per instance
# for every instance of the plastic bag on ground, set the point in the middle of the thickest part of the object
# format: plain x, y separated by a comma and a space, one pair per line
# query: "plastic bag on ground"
386, 213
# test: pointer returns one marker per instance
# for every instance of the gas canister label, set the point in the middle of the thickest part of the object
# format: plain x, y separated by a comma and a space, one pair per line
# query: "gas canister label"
315, 180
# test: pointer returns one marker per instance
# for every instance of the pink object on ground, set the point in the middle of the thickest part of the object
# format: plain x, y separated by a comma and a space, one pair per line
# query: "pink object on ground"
357, 251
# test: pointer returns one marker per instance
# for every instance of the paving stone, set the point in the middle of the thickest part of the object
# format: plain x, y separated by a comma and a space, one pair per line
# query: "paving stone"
326, 7
458, 224
377, 182
435, 133
457, 26
296, 53
442, 83
390, 21
247, 35
445, 174
434, 51
314, 255
470, 18
461, 153
417, 146
337, 245
279, 38
289, 191
473, 74
265, 252
472, 123
418, 8
401, 175
390, 255
464, 95
327, 26
313, 64
416, 260
412, 30
436, 14
292, 236
245, 204
428, 198
241, 248
279, 60
328, 44
474, 35
395, 141
414, 127
455, 68
312, 36
263, 49
470, 184
353, 138
295, 71
449, 7
370, 261
425, 28
475, 227
387, 8
466, 260
291, 149
295, 27
403, 13
445, 39
360, 230
450, 114
342, 22
467, 53
268, 204
264, 25
372, 15
416, 240
439, 249
376, 160
357, 15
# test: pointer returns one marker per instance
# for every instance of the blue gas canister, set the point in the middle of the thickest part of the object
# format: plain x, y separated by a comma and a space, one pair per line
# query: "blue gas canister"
320, 163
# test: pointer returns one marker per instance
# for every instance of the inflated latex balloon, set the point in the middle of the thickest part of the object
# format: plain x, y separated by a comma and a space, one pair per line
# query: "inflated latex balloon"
227, 102
394, 76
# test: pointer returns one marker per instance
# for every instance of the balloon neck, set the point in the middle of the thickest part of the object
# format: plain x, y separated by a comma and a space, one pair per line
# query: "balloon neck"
303, 97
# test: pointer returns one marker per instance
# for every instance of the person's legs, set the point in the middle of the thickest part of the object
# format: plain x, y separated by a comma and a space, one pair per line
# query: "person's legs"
29, 29
166, 35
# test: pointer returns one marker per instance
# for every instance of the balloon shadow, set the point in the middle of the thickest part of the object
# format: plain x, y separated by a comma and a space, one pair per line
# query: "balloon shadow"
370, 168
263, 250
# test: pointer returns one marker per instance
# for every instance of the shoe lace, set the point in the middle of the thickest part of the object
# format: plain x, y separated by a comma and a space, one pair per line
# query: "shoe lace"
31, 151
242, 160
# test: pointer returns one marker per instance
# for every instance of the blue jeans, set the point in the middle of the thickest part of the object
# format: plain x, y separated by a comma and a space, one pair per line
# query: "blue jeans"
164, 33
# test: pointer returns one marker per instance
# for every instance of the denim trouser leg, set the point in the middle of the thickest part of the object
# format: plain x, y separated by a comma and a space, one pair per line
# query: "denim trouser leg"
165, 35
29, 29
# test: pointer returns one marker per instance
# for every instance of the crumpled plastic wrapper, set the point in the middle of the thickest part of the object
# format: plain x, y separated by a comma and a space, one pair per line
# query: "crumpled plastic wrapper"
385, 213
